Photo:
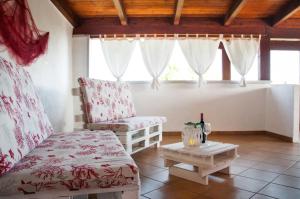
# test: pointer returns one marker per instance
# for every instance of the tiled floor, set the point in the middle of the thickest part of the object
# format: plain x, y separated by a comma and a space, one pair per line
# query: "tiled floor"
267, 168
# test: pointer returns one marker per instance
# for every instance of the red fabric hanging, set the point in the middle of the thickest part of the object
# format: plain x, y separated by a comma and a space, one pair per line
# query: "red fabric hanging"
19, 33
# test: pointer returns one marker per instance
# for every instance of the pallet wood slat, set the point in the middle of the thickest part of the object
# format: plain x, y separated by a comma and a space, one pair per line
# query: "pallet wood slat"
76, 91
212, 148
79, 118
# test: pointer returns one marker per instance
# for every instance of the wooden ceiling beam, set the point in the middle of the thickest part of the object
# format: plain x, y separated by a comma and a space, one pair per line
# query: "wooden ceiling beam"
178, 11
121, 12
233, 11
188, 25
65, 9
286, 12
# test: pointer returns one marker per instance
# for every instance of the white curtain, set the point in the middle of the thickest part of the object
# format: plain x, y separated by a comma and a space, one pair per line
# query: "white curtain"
156, 54
200, 54
241, 53
117, 54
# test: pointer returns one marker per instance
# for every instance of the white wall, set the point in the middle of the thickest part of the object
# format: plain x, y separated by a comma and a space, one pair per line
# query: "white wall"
80, 69
282, 110
227, 106
80, 57
52, 73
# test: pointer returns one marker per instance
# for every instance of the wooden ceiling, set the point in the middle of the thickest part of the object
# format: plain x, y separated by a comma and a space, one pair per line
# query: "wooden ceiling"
274, 13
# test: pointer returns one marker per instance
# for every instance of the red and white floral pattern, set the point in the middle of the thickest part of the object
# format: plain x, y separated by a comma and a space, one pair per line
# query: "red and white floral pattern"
23, 122
72, 161
129, 124
106, 100
125, 104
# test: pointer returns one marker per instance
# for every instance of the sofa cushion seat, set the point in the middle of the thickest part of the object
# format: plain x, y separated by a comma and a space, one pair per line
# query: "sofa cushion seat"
129, 124
72, 163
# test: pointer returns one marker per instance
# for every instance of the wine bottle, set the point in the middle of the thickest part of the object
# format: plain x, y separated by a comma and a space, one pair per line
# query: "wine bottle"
202, 126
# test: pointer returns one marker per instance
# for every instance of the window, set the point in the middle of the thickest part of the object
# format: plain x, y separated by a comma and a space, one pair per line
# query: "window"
285, 66
97, 65
136, 70
251, 75
179, 69
215, 70
98, 68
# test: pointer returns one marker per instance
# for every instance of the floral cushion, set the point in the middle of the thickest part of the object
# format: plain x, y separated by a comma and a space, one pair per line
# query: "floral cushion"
129, 124
106, 100
72, 163
99, 99
23, 122
125, 106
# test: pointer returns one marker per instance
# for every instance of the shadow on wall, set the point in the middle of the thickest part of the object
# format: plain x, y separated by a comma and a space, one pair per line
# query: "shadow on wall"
54, 107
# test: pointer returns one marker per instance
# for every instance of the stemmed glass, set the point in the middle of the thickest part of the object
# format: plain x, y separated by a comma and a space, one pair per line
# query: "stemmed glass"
207, 128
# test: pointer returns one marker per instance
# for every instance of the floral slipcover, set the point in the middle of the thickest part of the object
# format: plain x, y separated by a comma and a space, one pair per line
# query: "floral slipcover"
23, 122
129, 124
72, 163
106, 100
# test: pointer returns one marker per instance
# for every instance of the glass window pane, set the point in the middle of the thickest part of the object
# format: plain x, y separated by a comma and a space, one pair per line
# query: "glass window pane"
215, 70
97, 65
252, 75
285, 66
136, 70
179, 69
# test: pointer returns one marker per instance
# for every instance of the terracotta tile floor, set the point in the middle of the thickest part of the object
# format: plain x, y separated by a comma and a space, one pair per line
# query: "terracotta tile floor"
267, 168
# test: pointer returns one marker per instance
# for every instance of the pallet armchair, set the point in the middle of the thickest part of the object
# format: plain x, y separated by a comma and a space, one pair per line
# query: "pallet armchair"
108, 105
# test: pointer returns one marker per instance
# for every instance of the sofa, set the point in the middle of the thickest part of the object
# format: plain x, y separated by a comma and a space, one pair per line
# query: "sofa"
37, 162
108, 105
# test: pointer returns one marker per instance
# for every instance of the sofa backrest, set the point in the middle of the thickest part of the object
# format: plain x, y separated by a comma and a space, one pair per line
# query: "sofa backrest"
106, 100
23, 122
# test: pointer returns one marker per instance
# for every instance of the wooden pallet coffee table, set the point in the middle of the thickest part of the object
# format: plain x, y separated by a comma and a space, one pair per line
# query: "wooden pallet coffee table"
209, 158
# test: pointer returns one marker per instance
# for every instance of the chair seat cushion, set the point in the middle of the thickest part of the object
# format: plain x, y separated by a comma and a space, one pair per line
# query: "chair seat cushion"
129, 124
72, 163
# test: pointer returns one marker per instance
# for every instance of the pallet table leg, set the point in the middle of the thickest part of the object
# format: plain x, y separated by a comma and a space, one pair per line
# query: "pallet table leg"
157, 145
169, 163
189, 175
196, 168
226, 170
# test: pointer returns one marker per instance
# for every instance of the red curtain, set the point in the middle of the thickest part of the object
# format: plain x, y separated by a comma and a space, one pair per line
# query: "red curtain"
19, 33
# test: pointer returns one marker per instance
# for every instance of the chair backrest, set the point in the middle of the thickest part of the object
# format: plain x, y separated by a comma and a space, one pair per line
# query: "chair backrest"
23, 121
106, 100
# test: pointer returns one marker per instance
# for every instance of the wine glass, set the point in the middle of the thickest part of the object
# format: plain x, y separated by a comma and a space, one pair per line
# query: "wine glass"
207, 128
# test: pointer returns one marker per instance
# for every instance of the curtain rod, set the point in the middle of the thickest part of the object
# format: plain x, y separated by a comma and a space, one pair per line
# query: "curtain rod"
137, 36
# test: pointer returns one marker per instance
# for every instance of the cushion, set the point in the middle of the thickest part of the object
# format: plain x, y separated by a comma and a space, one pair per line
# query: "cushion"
73, 163
106, 100
129, 124
23, 122
125, 106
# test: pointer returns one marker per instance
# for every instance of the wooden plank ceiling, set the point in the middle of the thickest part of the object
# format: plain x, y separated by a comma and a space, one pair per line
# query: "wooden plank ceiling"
274, 13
